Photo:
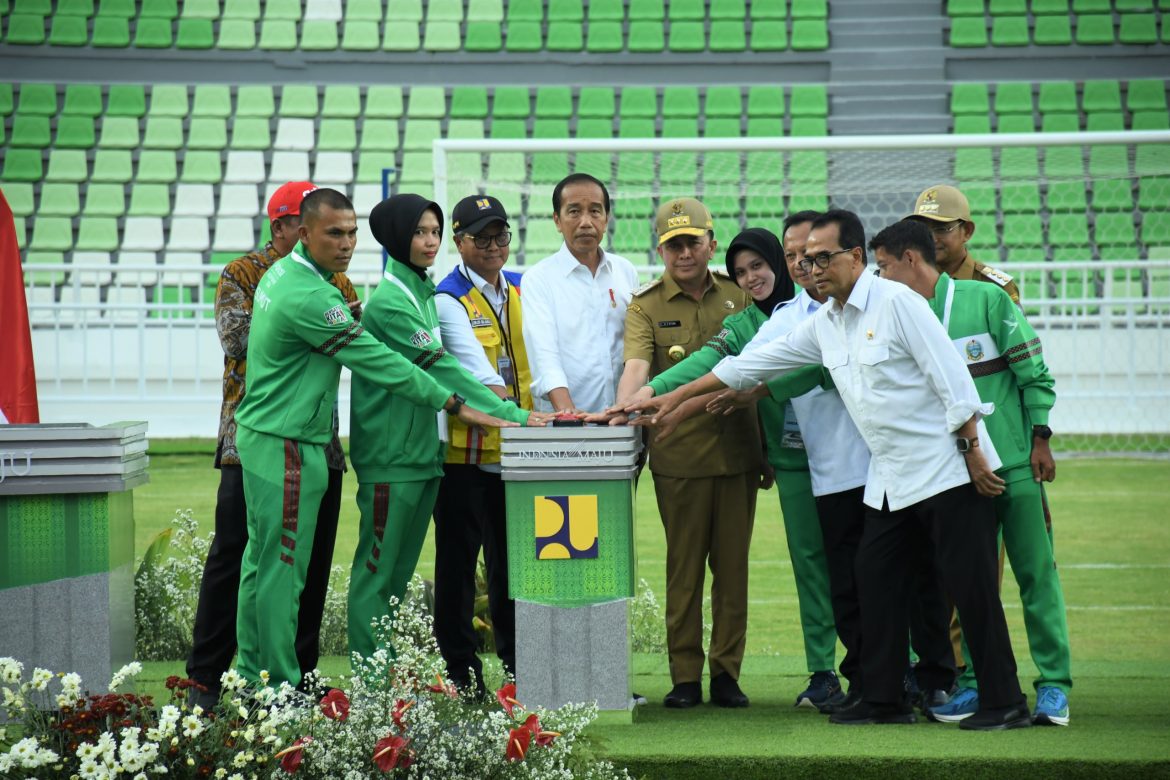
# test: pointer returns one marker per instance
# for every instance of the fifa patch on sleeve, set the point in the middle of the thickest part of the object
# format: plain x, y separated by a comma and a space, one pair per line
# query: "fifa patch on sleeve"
336, 316
420, 338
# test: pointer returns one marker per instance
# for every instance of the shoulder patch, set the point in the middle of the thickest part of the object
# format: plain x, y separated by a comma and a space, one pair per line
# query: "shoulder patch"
996, 275
336, 316
420, 338
647, 287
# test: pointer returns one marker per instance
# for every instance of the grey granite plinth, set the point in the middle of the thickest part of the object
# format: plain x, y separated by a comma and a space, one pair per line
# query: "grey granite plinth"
79, 624
578, 654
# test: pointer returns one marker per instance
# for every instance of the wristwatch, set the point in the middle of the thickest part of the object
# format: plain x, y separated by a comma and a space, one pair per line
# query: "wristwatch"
1041, 432
966, 445
457, 402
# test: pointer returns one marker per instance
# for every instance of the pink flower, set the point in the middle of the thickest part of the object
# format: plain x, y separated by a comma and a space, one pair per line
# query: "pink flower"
335, 705
291, 756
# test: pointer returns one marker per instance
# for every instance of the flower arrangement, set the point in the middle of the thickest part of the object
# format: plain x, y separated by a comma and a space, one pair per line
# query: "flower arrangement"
397, 717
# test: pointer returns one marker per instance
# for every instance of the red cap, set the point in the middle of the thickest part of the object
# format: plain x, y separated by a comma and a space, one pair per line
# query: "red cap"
286, 201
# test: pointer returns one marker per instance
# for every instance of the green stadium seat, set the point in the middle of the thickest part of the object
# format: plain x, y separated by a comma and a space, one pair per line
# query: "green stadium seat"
169, 100
121, 132
59, 199
1019, 230
565, 36
299, 100
1019, 162
401, 36
337, 134
1094, 29
724, 101
809, 166
483, 36
1156, 230
384, 101
202, 167
686, 10
417, 169
19, 195
342, 100
1138, 29
200, 9
1124, 6
149, 200
680, 102
1052, 30
479, 10
646, 36
153, 33
212, 100
810, 9
111, 165
52, 234
971, 124
1153, 192
289, 10
525, 11
122, 9
769, 35
606, 11
1064, 162
809, 100
1045, 7
554, 102
1013, 98
1058, 97
765, 101
251, 133
970, 98
195, 34
1060, 123
105, 200
722, 127
207, 132
1015, 123
420, 134
765, 168
1066, 196
969, 32
810, 35
159, 9
65, 165
30, 130
639, 102
565, 11
595, 102
727, 9
981, 196
974, 163
379, 135
686, 36
255, 100
646, 10
1152, 160
1150, 120
769, 10
6, 102
541, 236
1065, 230
68, 30
1020, 197
509, 128
761, 203
808, 196
126, 100
360, 35
319, 35
25, 29
97, 234
439, 36
156, 166
728, 35
279, 34
965, 8
1091, 6
543, 128
524, 36
1114, 229
1105, 122
1146, 95
40, 99
511, 103
1108, 161
162, 132
69, 7
444, 11
404, 10
1009, 31
604, 36
473, 128
1008, 7
806, 126
469, 103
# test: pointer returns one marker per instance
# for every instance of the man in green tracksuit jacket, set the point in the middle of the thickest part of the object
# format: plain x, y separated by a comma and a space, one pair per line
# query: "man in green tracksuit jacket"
302, 333
1006, 361
398, 446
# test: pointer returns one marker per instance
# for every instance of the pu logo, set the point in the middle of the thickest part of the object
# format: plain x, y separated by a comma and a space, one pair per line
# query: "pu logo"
566, 527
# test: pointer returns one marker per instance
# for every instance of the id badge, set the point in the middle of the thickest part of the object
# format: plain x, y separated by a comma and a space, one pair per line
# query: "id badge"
504, 369
791, 438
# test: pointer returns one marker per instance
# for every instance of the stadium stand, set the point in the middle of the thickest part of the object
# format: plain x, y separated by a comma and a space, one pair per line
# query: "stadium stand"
1008, 23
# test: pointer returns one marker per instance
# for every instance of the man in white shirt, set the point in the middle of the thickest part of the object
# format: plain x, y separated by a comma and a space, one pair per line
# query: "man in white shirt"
574, 305
909, 393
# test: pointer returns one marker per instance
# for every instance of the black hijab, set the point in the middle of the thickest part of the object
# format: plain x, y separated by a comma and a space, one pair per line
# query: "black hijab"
393, 222
767, 246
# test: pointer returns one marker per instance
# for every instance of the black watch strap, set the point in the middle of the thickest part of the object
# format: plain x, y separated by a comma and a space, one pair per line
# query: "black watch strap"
457, 402
1041, 432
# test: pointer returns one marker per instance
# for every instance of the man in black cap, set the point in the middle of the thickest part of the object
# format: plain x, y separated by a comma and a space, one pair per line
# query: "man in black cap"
479, 315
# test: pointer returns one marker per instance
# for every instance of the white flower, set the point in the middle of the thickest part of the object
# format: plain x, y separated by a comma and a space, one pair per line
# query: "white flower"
192, 726
232, 681
221, 773
10, 670
131, 669
71, 684
40, 679
240, 759
89, 769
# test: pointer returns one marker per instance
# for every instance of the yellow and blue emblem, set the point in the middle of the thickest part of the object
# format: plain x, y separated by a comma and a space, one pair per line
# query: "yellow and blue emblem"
483, 204
974, 350
566, 527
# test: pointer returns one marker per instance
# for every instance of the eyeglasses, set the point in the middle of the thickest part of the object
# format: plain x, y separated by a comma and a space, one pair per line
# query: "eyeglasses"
821, 260
502, 238
942, 230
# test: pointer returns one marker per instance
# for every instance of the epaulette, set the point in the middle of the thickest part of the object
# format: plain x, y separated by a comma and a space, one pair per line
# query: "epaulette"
647, 287
721, 272
996, 275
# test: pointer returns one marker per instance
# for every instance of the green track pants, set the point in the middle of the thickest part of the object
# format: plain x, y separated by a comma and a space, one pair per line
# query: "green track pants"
284, 481
1020, 510
395, 517
806, 549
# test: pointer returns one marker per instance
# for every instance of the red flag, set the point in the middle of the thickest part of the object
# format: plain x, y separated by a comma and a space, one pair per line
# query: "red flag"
18, 379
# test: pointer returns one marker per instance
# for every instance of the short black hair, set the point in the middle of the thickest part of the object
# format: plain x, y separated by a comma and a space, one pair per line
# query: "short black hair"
903, 235
850, 233
323, 198
577, 178
799, 218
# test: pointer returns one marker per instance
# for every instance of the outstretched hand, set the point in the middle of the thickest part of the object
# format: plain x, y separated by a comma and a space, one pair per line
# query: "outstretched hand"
730, 400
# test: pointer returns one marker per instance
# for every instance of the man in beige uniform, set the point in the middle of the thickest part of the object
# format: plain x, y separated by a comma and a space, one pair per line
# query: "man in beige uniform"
707, 473
945, 211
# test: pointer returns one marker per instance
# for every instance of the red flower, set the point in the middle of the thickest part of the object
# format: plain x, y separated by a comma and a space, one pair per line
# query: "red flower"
291, 756
518, 740
335, 705
539, 736
390, 751
532, 723
506, 696
443, 687
545, 738
398, 714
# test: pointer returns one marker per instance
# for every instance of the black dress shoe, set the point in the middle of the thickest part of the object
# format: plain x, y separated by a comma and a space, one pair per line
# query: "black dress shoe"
684, 695
208, 700
864, 713
725, 692
998, 719
838, 703
932, 697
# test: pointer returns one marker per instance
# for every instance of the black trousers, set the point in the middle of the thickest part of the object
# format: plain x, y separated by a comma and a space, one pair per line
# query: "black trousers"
961, 525
214, 635
842, 517
469, 513
930, 622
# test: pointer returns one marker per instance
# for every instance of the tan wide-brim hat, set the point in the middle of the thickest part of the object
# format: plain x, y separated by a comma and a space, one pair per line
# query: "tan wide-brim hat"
941, 203
682, 217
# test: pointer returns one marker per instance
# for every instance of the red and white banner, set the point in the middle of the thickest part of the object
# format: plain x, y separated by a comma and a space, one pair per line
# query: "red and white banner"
18, 379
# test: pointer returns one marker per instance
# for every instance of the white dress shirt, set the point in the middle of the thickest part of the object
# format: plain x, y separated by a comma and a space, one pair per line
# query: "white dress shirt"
458, 336
838, 458
900, 378
573, 327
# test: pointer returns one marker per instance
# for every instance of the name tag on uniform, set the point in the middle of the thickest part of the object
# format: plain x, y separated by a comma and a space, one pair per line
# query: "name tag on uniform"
504, 369
670, 324
481, 322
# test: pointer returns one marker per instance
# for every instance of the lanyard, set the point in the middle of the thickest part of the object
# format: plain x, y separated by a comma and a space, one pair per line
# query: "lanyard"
500, 320
946, 321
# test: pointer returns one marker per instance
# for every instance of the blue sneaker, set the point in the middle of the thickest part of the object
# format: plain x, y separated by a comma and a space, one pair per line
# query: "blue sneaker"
962, 705
822, 686
1051, 707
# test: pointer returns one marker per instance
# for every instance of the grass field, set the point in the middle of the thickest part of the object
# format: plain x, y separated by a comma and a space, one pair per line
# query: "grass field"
1112, 520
